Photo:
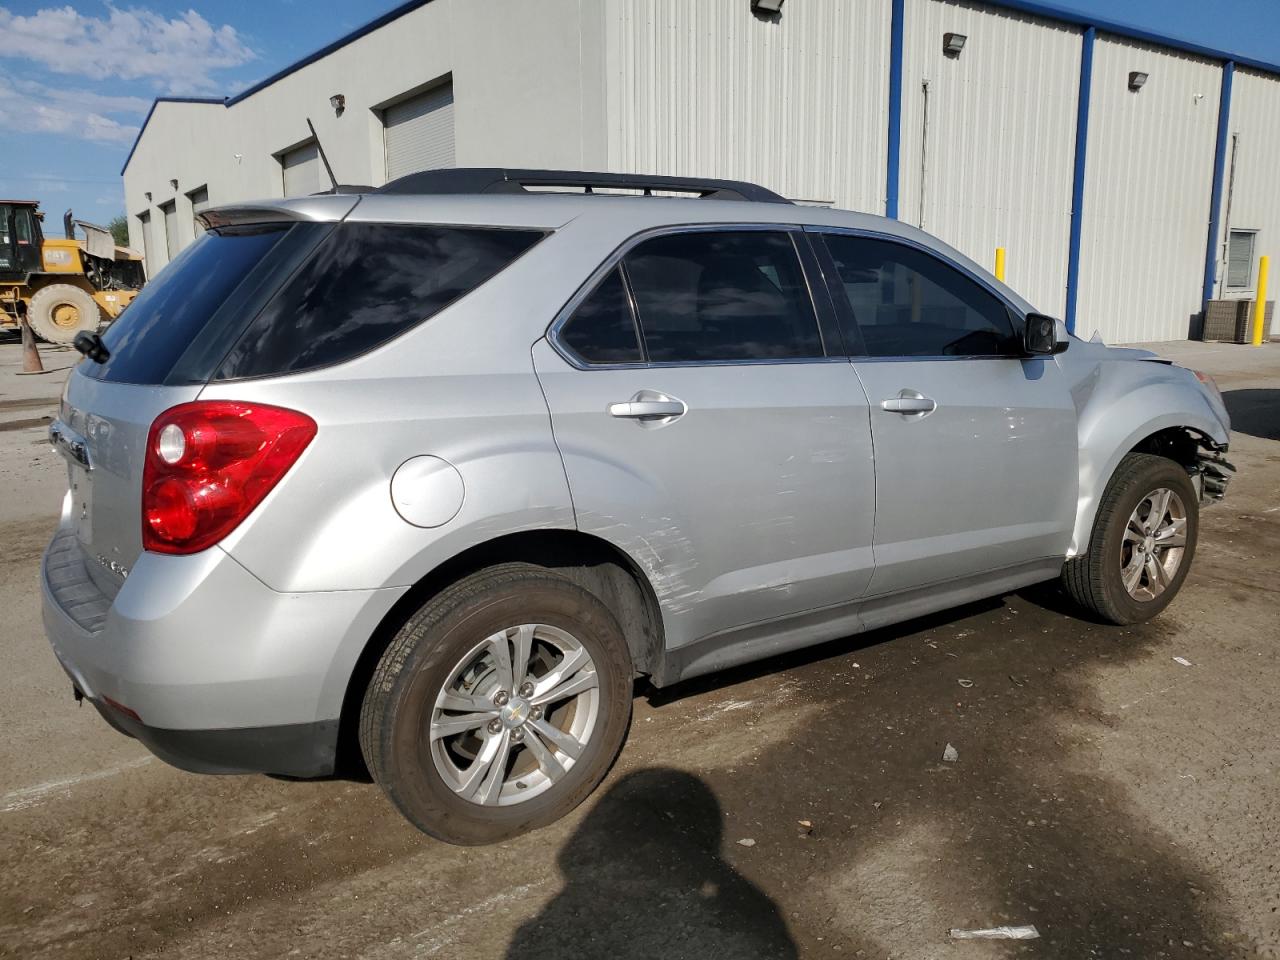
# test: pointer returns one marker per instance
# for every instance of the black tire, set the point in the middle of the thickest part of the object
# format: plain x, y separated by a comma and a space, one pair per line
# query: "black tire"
59, 311
401, 695
1093, 579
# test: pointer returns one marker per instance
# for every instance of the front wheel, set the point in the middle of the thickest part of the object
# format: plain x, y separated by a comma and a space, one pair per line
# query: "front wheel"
499, 706
1144, 537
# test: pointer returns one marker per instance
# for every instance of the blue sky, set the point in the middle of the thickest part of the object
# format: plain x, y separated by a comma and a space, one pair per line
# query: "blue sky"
76, 82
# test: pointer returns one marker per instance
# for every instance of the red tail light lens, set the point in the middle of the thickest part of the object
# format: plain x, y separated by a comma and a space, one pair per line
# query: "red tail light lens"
209, 463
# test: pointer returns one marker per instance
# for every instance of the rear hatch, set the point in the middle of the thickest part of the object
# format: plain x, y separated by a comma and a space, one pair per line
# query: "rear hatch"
163, 349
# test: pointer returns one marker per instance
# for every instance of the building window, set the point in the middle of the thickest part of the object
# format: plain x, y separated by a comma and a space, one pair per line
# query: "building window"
1240, 259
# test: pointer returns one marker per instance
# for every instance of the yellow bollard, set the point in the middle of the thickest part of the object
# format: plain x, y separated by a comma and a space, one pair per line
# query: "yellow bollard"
1260, 306
1000, 264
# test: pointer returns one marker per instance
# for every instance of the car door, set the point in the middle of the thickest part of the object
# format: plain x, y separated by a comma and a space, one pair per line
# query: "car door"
706, 431
975, 442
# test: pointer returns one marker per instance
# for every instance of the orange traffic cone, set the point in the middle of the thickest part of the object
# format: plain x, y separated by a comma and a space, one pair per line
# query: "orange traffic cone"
30, 355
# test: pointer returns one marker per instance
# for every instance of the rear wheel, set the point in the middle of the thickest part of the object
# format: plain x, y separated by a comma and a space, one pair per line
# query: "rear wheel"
59, 311
499, 706
1143, 540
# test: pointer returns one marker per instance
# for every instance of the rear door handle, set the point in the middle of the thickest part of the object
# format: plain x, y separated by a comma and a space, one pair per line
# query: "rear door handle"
647, 409
909, 402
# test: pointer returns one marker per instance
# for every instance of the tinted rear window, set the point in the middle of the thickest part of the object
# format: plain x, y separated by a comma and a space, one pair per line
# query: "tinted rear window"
173, 309
367, 283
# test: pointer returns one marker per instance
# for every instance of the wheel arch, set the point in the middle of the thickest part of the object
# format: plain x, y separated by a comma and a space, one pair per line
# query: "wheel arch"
591, 562
1176, 436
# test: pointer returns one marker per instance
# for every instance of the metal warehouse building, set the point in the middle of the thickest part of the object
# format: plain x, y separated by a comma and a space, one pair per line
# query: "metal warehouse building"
1130, 177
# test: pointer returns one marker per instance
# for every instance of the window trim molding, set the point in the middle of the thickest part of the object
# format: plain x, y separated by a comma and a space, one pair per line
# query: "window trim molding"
815, 285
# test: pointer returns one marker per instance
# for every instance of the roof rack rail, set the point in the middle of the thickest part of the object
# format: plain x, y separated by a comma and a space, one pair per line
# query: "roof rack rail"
501, 180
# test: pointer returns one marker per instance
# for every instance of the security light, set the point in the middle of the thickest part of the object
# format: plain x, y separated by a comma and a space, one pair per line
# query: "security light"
1136, 80
953, 43
173, 184
338, 102
766, 6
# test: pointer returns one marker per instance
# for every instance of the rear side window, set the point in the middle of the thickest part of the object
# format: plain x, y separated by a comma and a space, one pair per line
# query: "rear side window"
368, 283
907, 303
174, 308
706, 296
602, 329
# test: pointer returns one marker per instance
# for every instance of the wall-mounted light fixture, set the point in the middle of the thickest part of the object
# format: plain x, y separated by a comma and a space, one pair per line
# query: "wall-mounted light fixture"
339, 103
953, 43
766, 7
1137, 79
173, 184
148, 196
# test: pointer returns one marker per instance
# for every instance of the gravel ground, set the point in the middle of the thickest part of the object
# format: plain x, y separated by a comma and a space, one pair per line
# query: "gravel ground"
1123, 802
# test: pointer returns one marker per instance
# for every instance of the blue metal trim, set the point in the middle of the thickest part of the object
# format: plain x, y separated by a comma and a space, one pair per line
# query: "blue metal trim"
1077, 182
147, 119
1052, 12
895, 110
1219, 170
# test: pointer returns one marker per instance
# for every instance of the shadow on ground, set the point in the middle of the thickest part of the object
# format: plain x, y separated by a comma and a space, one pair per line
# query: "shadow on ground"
1255, 412
643, 876
1023, 829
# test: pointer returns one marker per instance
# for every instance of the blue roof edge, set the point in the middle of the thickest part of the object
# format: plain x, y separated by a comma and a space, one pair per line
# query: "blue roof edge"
1049, 11
393, 14
1036, 8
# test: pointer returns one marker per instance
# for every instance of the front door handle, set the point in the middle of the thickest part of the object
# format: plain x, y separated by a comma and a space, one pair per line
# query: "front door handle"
909, 402
647, 409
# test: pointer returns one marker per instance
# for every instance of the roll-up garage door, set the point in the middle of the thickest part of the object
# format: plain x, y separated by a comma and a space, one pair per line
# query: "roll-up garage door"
302, 171
171, 229
419, 133
199, 201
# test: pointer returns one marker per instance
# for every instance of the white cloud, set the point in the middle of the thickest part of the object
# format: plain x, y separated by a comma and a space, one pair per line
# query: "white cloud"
29, 107
177, 54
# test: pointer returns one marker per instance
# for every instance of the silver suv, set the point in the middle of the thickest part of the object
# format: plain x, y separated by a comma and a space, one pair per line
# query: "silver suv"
426, 476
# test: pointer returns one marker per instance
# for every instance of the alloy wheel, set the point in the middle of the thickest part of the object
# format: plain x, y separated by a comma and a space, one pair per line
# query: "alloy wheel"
1155, 539
515, 715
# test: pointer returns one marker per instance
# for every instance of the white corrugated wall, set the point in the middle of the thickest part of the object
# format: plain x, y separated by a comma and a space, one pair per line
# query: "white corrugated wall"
1251, 200
795, 103
1147, 190
999, 146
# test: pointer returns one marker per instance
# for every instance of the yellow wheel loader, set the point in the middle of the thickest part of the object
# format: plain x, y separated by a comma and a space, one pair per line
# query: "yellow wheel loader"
61, 286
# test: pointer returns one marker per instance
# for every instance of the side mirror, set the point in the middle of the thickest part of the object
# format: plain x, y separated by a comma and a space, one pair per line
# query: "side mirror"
1040, 336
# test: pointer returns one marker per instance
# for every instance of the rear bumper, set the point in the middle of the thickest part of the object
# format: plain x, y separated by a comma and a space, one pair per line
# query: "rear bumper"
294, 750
222, 674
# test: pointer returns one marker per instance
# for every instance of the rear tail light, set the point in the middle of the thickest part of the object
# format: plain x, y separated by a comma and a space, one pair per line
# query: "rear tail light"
209, 463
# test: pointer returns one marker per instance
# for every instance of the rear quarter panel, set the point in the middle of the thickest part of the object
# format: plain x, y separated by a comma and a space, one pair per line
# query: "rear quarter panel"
460, 387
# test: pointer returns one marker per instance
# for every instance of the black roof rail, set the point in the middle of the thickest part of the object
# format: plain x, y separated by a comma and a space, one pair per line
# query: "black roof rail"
501, 180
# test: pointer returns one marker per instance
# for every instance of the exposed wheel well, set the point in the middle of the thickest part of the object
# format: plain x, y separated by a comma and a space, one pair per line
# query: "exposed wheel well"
592, 563
1182, 445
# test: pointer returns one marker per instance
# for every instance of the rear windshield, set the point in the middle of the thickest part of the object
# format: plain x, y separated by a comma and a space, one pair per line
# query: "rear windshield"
173, 308
367, 283
265, 300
